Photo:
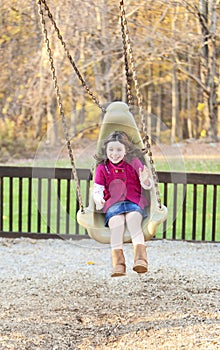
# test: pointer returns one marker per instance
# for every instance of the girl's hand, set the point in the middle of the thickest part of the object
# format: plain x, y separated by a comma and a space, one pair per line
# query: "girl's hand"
145, 179
98, 196
99, 204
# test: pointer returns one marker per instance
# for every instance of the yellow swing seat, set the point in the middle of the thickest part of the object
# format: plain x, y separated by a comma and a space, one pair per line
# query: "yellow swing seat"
118, 117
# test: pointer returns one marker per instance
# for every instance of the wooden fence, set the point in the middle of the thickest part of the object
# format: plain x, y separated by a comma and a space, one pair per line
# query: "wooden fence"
42, 203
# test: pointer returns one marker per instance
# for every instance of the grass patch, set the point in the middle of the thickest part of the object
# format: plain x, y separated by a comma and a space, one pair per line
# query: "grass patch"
51, 206
189, 165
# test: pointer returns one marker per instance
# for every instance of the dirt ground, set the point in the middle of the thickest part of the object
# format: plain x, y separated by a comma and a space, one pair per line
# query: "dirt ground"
58, 295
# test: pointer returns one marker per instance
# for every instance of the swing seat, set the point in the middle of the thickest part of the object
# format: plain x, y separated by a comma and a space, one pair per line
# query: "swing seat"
118, 117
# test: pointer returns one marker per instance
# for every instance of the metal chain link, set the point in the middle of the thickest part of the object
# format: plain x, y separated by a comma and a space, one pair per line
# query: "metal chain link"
128, 74
80, 77
60, 105
129, 52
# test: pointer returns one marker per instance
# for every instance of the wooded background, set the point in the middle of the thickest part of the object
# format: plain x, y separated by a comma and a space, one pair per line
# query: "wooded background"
176, 49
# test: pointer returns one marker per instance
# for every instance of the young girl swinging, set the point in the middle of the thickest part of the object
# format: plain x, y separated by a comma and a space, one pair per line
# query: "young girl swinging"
120, 179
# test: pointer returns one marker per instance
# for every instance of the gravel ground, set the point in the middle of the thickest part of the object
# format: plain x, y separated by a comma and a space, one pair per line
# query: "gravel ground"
58, 294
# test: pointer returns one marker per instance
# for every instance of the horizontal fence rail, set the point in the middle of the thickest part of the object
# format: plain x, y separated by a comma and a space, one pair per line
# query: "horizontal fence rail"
42, 203
193, 201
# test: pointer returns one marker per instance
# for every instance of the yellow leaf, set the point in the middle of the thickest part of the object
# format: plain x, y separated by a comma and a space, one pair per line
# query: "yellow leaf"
200, 107
203, 133
90, 263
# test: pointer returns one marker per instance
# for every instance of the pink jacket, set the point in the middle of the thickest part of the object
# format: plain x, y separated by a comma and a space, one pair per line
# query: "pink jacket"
121, 182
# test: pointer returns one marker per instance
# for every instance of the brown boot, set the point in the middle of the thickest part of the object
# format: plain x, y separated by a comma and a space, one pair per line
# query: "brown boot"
118, 263
140, 259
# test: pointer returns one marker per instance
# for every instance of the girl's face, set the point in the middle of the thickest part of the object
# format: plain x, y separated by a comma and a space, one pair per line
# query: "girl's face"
115, 151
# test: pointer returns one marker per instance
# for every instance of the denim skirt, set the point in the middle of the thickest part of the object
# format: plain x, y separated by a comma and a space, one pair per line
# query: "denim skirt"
121, 208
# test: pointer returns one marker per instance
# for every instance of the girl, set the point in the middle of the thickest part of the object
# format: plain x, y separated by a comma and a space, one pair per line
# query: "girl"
118, 190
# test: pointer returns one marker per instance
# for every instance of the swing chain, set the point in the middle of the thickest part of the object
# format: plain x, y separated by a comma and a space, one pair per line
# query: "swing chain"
72, 62
129, 52
60, 105
128, 49
127, 71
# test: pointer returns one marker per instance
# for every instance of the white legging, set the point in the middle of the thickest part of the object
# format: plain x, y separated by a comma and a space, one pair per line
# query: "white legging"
117, 224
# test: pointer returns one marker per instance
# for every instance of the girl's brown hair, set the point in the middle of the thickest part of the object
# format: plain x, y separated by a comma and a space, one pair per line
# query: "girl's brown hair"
132, 151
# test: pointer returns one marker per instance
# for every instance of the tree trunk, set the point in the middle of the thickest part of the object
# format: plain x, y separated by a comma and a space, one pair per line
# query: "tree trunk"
149, 103
175, 107
52, 130
213, 109
159, 112
175, 98
208, 66
188, 103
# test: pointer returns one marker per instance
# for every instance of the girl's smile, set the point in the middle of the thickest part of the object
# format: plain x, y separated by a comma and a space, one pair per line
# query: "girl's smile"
115, 151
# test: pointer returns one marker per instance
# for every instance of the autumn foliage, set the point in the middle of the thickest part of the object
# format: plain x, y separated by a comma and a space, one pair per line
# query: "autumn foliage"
176, 51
